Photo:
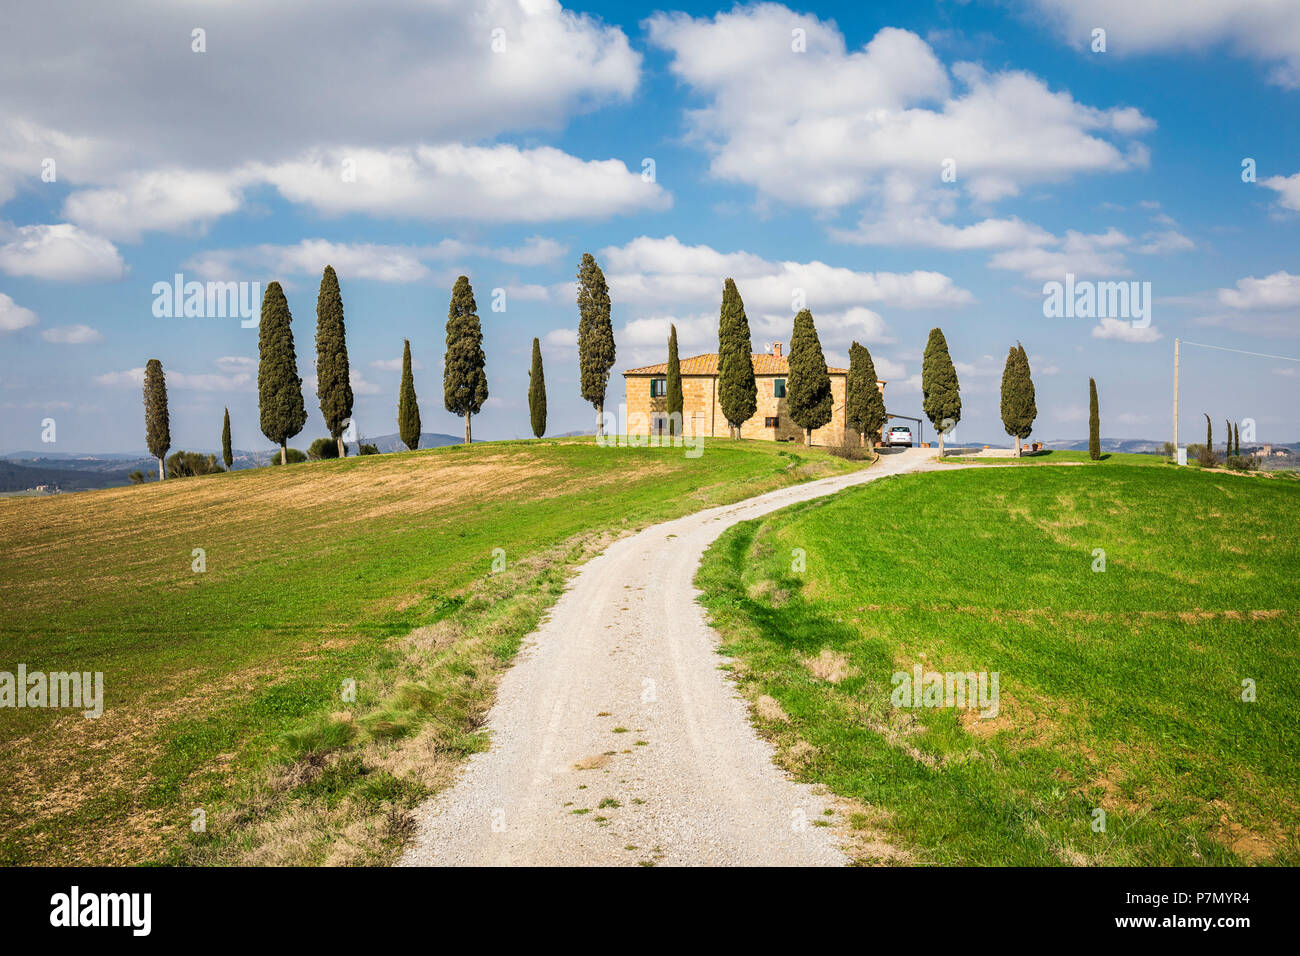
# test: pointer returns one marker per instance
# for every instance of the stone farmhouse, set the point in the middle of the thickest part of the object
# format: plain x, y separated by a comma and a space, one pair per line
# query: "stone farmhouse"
647, 390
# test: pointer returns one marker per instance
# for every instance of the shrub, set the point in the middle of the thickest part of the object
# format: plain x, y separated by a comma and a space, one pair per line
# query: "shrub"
187, 464
293, 455
851, 450
1242, 462
137, 477
323, 448
368, 449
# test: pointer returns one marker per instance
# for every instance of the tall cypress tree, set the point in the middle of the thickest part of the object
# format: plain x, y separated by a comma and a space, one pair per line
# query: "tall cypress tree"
333, 378
279, 389
464, 374
537, 392
1094, 422
808, 392
1236, 439
157, 423
227, 455
1207, 454
673, 400
941, 392
737, 389
595, 336
408, 408
864, 405
1018, 407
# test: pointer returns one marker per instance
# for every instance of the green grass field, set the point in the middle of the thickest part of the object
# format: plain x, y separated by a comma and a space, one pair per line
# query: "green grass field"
224, 688
1050, 456
1120, 690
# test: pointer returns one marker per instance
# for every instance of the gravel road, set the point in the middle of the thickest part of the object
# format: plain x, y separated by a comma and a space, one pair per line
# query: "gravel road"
618, 699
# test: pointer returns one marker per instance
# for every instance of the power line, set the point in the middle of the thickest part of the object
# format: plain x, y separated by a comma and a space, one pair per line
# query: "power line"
1221, 348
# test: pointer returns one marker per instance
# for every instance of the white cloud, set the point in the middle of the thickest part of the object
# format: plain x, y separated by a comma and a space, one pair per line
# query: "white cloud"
500, 183
60, 251
232, 381
1125, 331
1170, 240
1287, 188
1083, 254
268, 102
899, 229
360, 386
825, 127
1268, 30
1279, 290
13, 316
309, 257
667, 271
383, 263
173, 200
72, 335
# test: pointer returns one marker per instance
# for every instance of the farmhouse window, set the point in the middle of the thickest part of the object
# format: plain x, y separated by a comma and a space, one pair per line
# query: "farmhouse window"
658, 387
771, 422
778, 388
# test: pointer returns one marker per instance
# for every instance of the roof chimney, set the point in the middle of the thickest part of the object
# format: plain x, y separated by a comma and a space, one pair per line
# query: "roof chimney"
776, 349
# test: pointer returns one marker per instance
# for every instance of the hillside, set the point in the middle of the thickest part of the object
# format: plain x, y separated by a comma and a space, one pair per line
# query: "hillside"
414, 575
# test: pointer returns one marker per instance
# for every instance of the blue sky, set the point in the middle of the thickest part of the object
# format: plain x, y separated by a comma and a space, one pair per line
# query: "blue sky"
816, 170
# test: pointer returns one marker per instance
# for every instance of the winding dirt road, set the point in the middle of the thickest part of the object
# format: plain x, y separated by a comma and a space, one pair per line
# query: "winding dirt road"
616, 738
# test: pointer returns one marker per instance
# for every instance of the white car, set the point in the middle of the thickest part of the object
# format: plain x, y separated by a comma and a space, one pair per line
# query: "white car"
899, 435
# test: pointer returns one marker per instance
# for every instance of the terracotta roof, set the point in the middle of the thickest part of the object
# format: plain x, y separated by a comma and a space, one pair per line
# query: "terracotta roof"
707, 364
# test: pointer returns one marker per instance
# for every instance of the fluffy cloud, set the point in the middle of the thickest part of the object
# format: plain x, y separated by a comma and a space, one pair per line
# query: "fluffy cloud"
200, 382
496, 183
1083, 254
1277, 291
72, 335
166, 201
667, 271
1287, 188
60, 251
924, 230
826, 127
281, 97
13, 316
1268, 30
1125, 331
383, 263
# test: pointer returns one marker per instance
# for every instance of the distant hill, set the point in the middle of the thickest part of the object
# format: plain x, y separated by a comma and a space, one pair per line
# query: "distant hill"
16, 477
387, 443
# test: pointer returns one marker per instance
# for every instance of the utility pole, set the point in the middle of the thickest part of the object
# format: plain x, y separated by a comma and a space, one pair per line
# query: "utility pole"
1175, 398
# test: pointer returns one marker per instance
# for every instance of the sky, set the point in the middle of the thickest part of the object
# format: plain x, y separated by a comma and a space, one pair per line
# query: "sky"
893, 166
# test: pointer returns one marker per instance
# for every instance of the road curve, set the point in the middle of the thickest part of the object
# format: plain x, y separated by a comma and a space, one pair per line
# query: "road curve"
618, 699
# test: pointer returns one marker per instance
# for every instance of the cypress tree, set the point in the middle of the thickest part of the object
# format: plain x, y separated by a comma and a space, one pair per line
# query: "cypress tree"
408, 409
808, 393
1094, 422
157, 423
673, 401
864, 405
464, 375
333, 378
537, 392
595, 336
1018, 408
1236, 439
1207, 453
737, 389
227, 455
941, 392
279, 389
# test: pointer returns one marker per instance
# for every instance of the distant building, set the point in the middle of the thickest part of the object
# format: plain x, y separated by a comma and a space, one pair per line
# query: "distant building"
702, 413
